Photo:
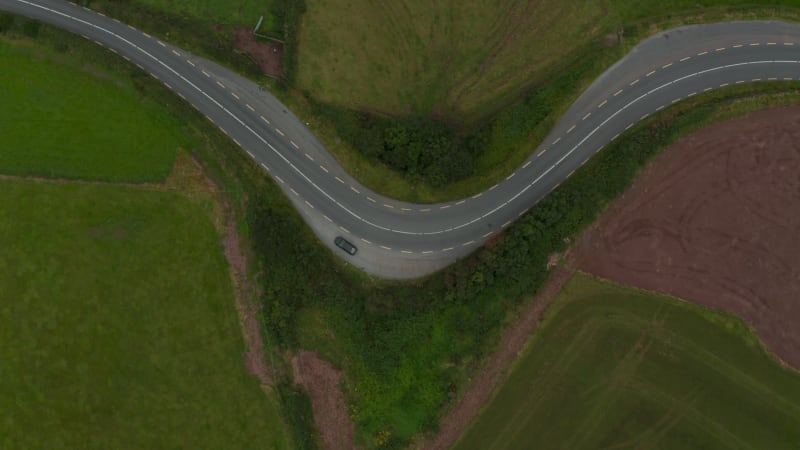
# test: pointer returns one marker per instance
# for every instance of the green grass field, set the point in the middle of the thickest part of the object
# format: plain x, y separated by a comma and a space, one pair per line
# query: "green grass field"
71, 121
458, 58
118, 326
613, 367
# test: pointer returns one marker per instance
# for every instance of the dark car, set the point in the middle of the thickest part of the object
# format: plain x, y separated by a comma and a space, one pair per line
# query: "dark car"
345, 245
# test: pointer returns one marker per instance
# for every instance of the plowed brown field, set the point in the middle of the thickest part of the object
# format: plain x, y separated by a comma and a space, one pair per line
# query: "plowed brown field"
715, 220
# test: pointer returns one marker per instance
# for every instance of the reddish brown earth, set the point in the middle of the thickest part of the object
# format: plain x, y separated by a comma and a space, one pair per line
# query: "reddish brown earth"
715, 220
480, 390
269, 56
321, 380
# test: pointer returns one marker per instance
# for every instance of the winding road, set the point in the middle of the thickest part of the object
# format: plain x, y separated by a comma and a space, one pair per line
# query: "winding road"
405, 240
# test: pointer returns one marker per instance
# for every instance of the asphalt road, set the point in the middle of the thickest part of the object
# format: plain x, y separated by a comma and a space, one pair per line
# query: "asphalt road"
404, 240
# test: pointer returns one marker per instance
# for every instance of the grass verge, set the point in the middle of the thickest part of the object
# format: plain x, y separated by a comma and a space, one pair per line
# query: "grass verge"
633, 368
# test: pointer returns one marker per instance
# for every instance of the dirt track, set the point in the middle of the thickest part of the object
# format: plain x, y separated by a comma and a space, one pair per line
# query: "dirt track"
715, 220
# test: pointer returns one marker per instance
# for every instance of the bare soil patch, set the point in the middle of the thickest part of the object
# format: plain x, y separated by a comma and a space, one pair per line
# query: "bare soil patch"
715, 220
478, 393
322, 382
269, 56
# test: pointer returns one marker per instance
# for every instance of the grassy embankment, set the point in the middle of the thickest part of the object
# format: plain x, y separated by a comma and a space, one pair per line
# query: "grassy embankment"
408, 349
617, 367
118, 326
505, 72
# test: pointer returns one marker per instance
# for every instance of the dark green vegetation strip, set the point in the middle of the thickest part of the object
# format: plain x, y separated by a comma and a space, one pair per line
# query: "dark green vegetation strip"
408, 349
617, 367
118, 327
49, 121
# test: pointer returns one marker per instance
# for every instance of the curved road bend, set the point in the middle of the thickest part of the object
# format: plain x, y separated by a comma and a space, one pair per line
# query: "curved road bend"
404, 240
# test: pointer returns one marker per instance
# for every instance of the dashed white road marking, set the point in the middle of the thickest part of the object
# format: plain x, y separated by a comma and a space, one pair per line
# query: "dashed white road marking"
467, 243
586, 116
220, 85
685, 59
385, 247
676, 100
723, 84
666, 66
353, 213
740, 82
650, 73
702, 53
444, 207
511, 176
161, 44
618, 92
344, 229
355, 190
788, 43
327, 218
756, 79
632, 83
447, 249
279, 179
266, 167
294, 145
176, 52
370, 199
425, 210
181, 96
365, 241
426, 252
506, 224
309, 157
570, 129
294, 192
339, 180
190, 63
205, 73
406, 251
388, 206
405, 209
556, 142
691, 95
235, 95
279, 131
720, 49
527, 163
772, 43
309, 204
461, 202
493, 187
477, 195
660, 108
487, 234
738, 46
707, 89
602, 104
754, 44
